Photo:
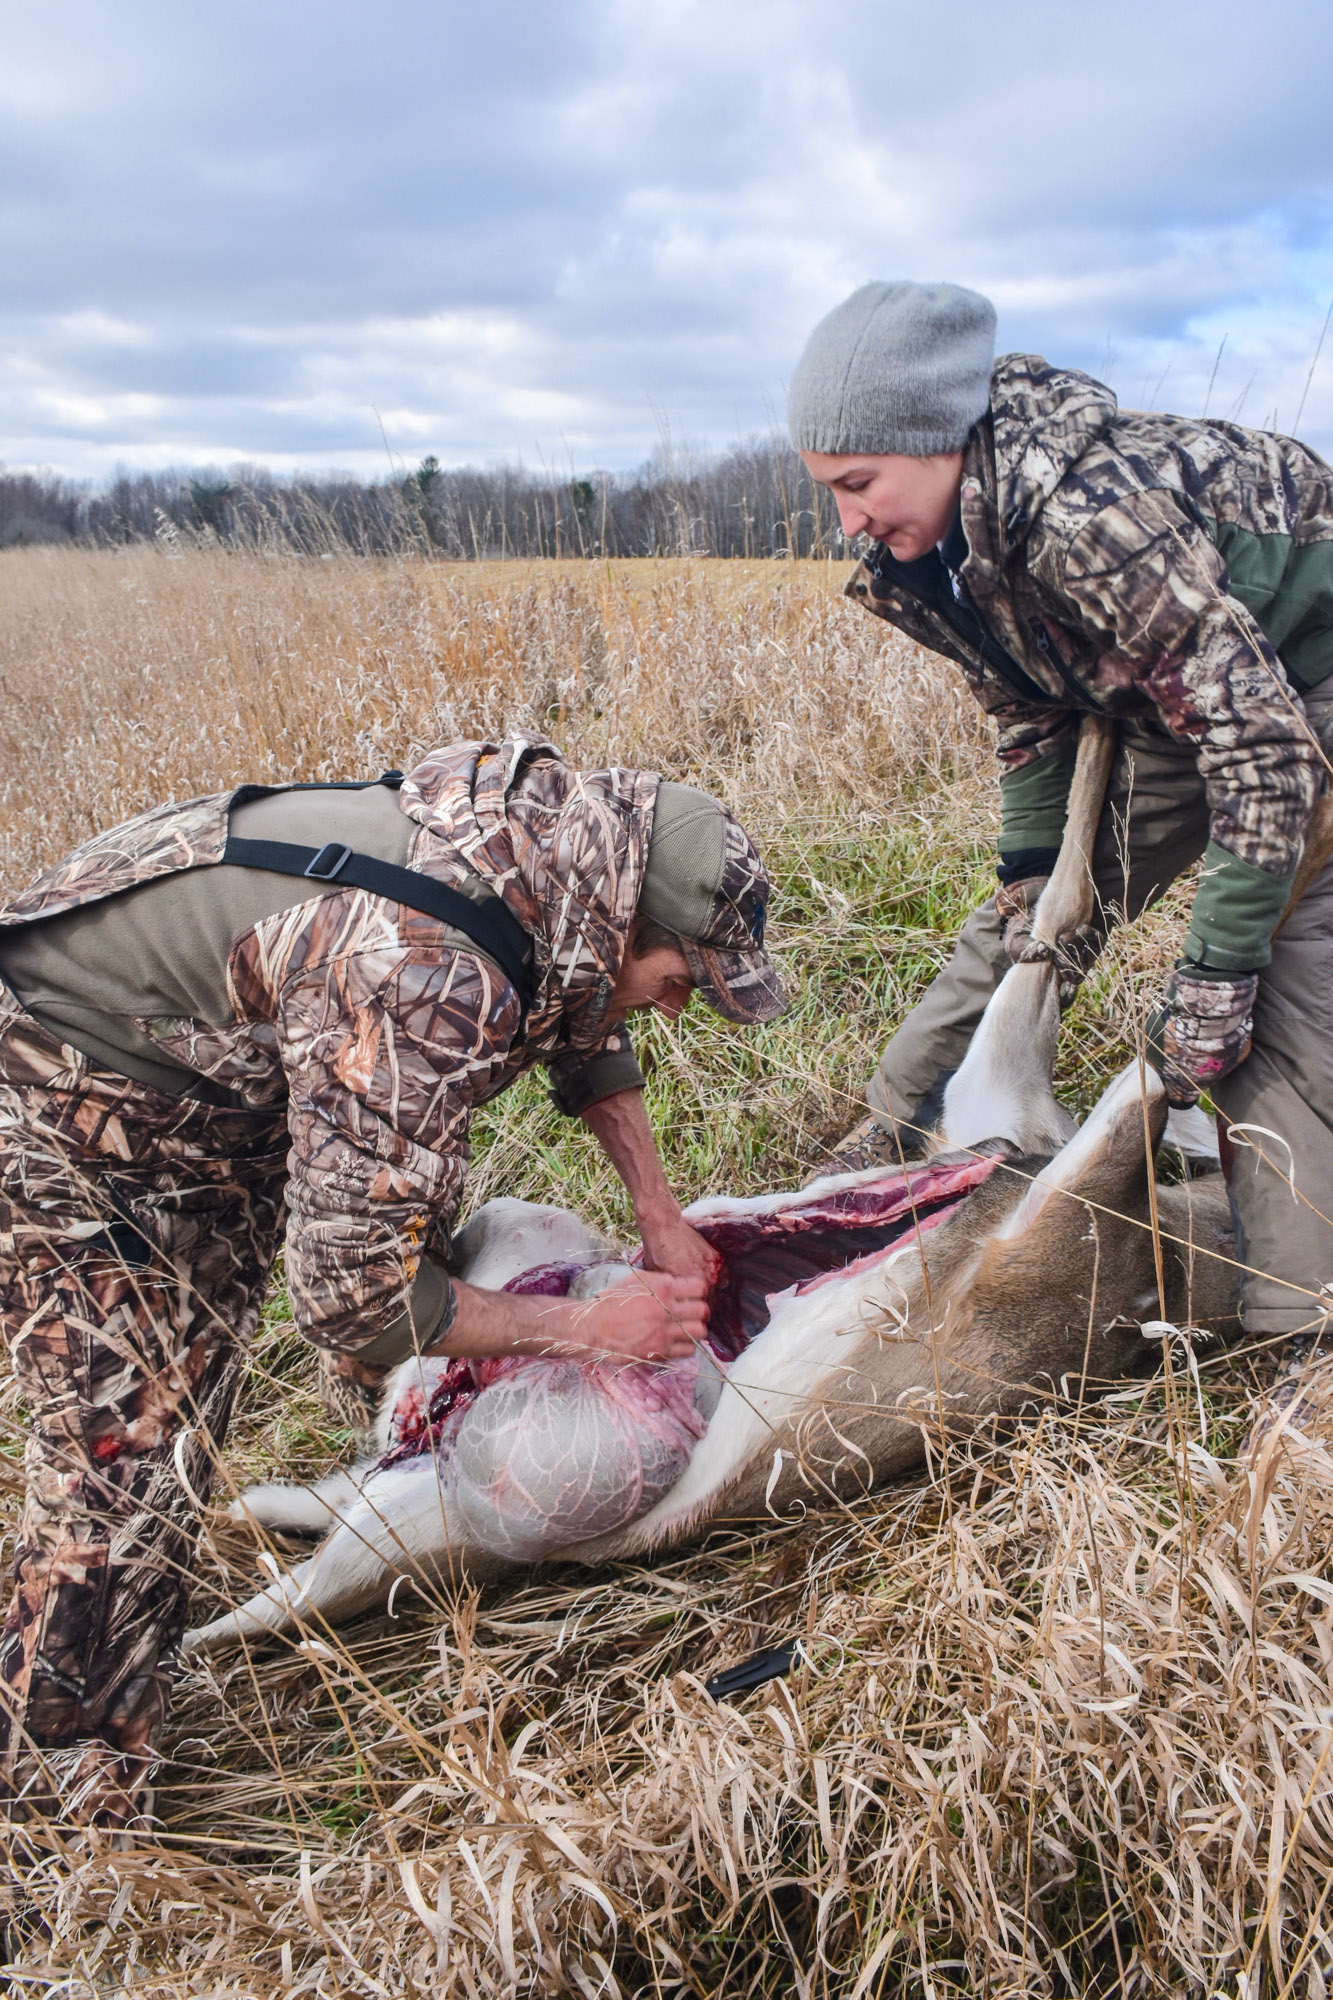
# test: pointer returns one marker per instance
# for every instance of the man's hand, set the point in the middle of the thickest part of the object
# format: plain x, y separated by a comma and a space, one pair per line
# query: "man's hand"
649, 1316
1202, 1030
670, 1244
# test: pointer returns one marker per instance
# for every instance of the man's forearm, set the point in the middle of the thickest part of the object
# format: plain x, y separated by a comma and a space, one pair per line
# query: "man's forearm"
620, 1126
491, 1323
646, 1317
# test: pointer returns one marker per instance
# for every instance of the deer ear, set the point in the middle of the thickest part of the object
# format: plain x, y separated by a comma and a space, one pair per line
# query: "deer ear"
1108, 1161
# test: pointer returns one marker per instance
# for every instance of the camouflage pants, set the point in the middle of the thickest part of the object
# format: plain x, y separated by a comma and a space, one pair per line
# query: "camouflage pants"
1154, 826
137, 1233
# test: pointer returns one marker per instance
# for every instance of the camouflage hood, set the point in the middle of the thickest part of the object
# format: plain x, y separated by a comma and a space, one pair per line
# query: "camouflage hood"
565, 849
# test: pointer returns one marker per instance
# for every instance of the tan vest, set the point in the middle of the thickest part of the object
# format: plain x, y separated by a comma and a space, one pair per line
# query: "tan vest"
92, 974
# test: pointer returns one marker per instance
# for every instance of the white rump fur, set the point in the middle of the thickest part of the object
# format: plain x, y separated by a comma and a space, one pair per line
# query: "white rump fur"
1194, 1133
395, 1522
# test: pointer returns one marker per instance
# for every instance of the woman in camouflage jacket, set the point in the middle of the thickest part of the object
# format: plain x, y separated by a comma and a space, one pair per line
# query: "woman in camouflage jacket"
206, 1052
1178, 576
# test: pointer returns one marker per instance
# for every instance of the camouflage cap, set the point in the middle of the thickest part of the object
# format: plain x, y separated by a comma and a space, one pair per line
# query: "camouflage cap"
704, 881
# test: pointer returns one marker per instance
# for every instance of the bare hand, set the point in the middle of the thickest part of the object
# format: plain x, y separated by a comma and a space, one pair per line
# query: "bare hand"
621, 1126
670, 1244
649, 1316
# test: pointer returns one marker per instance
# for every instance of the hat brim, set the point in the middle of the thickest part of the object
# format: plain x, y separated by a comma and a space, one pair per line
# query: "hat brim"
740, 985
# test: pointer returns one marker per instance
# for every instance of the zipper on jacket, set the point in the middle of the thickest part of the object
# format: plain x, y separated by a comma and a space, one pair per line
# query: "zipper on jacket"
990, 654
1050, 652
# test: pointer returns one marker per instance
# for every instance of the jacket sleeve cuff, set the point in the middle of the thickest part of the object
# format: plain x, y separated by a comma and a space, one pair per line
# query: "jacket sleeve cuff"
1025, 864
428, 1317
605, 1073
1236, 908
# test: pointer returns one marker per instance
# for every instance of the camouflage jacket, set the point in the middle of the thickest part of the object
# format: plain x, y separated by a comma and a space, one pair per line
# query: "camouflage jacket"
1142, 564
375, 1031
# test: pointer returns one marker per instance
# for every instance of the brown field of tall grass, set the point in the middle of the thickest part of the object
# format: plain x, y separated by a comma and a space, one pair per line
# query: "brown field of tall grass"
1065, 1719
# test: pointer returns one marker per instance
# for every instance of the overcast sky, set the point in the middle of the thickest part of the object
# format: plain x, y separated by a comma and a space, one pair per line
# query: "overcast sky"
283, 231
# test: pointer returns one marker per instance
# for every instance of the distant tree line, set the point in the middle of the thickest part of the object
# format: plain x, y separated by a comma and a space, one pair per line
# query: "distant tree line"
755, 500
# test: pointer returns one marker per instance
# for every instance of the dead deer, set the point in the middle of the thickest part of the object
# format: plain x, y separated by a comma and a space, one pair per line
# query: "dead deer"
857, 1320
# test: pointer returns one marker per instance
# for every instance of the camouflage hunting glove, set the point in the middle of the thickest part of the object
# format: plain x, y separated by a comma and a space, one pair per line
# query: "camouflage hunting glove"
1071, 954
1202, 1030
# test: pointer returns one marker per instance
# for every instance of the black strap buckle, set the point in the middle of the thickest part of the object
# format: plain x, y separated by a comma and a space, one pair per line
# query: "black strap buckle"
329, 863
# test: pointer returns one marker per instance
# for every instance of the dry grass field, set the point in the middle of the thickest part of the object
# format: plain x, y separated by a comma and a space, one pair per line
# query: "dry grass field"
1065, 1721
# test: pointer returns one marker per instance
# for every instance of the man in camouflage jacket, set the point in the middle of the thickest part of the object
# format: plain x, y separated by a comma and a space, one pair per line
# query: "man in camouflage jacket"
203, 1058
1176, 575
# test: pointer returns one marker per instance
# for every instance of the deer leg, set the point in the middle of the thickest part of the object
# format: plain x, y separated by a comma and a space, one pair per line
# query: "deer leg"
300, 1510
1002, 1089
401, 1525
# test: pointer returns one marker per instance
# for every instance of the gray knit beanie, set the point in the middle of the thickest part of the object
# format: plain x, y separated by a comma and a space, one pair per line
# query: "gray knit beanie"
895, 368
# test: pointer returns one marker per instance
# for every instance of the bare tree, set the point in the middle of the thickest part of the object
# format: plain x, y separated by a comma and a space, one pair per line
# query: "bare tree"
755, 500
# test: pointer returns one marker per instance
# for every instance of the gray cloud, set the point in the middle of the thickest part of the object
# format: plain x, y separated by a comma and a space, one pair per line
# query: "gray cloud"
258, 232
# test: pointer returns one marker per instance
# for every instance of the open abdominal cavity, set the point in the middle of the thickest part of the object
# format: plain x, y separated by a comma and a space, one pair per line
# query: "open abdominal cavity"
535, 1455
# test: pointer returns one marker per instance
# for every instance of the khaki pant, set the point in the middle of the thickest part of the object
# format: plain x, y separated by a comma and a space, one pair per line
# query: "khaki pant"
1154, 825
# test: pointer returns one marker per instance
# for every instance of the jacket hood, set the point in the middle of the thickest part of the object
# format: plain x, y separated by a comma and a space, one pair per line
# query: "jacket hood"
565, 849
1044, 419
